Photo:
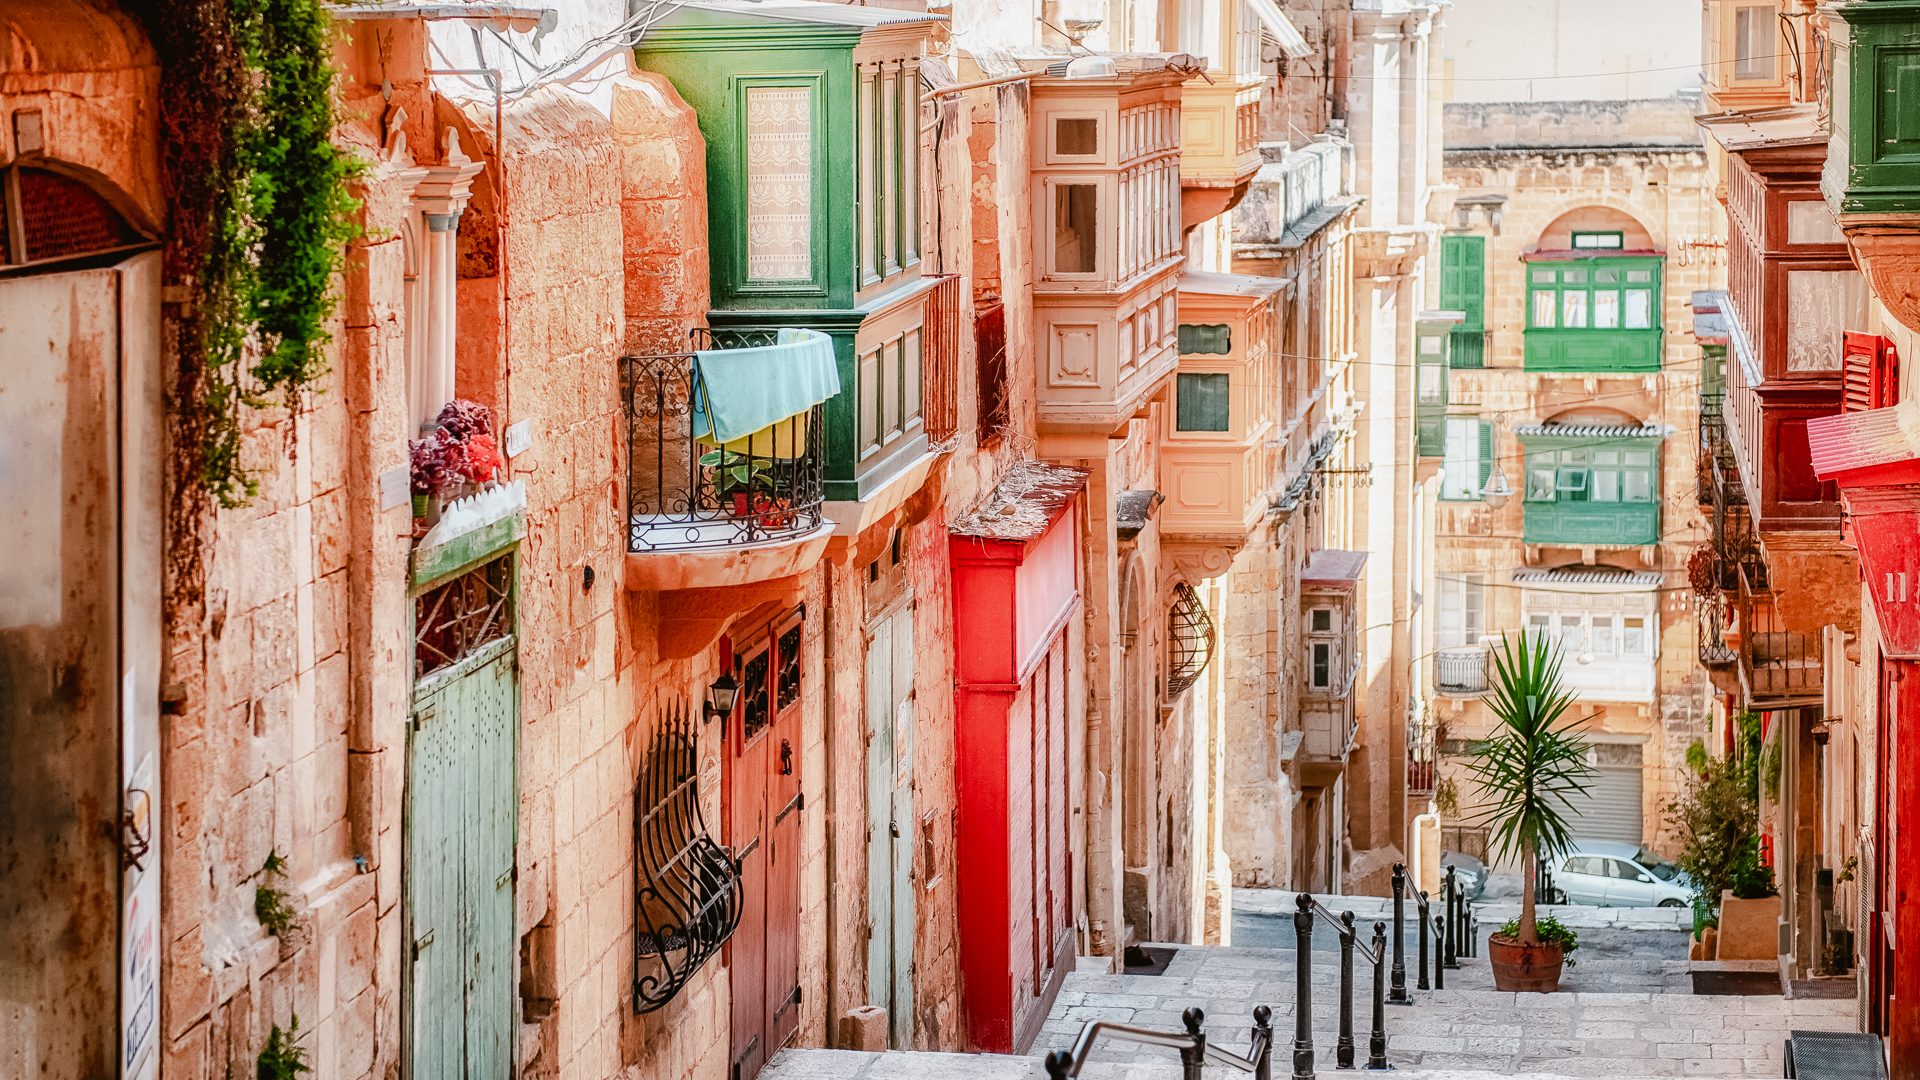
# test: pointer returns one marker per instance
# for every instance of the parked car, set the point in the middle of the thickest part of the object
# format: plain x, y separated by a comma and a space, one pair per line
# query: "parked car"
1468, 872
1608, 873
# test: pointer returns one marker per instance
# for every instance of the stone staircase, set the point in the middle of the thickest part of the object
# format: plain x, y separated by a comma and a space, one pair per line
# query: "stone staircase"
1466, 1032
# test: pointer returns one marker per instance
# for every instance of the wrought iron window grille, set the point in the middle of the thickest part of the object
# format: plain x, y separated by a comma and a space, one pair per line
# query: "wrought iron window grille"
687, 892
454, 620
1191, 639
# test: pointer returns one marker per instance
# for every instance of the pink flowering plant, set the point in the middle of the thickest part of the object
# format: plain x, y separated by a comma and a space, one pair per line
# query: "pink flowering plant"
461, 448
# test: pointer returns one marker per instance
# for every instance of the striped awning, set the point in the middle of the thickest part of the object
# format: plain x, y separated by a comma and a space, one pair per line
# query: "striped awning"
1591, 431
1587, 575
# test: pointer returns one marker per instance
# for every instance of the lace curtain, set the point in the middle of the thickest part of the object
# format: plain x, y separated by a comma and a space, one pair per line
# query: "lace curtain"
780, 183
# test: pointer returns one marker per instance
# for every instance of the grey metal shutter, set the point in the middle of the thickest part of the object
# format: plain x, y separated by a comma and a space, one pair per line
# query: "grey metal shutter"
1611, 808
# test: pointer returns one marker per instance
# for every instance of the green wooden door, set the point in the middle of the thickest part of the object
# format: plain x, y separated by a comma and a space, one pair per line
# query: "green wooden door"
460, 816
1463, 287
890, 821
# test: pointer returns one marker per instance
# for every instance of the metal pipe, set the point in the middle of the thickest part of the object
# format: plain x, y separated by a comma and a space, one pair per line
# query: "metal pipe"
978, 83
1377, 1040
1423, 984
1399, 994
1343, 1050
1303, 989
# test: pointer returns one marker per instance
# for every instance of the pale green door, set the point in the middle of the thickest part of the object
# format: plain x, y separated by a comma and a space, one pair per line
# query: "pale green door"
460, 818
890, 821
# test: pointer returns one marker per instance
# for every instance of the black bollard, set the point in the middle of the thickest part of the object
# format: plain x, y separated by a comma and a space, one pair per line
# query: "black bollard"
1193, 1057
1263, 1035
1471, 927
1343, 1050
1424, 985
1057, 1064
1399, 993
1303, 990
1377, 1041
1450, 890
1439, 969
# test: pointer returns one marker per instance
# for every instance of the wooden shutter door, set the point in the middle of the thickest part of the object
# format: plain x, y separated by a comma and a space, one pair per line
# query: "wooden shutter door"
880, 813
488, 708
900, 1010
436, 994
1486, 455
782, 784
747, 735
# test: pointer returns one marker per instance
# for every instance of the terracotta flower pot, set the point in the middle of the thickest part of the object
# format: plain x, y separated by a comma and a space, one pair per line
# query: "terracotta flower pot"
1531, 968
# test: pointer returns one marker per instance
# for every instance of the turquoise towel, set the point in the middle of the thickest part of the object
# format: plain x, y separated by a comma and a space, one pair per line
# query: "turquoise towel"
748, 390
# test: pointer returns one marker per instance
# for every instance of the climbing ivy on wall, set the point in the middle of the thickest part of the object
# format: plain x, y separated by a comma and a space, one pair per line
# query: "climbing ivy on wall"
261, 214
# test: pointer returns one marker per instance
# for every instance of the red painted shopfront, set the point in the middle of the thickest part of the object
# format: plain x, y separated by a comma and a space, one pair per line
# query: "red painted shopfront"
1016, 588
1876, 467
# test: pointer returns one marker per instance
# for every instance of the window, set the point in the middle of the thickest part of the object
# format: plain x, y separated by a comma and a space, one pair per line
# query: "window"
1633, 638
1433, 384
1214, 339
1570, 635
1601, 475
1202, 402
889, 184
1322, 665
1469, 458
780, 183
1599, 240
1075, 242
1755, 39
1590, 297
1461, 616
1322, 620
1076, 136
1605, 626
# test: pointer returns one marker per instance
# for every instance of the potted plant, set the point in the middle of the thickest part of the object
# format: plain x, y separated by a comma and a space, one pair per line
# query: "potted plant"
1717, 817
747, 483
1530, 768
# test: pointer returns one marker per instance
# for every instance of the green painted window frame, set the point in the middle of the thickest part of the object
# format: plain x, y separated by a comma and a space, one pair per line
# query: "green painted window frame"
1483, 447
1564, 290
887, 169
1562, 475
1619, 239
817, 285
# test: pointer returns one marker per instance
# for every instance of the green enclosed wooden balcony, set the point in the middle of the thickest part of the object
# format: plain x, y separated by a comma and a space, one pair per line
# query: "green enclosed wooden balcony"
1592, 485
1873, 154
1594, 314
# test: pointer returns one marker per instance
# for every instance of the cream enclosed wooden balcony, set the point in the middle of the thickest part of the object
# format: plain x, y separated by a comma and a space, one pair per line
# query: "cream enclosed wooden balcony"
1219, 144
1216, 467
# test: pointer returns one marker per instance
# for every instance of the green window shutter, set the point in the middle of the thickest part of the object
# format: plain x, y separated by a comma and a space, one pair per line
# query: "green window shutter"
1463, 277
1486, 454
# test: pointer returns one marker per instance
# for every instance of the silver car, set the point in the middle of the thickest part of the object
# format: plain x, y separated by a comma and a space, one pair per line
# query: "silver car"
1612, 874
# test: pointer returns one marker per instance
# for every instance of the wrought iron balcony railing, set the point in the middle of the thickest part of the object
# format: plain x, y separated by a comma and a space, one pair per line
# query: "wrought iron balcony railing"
1461, 670
686, 493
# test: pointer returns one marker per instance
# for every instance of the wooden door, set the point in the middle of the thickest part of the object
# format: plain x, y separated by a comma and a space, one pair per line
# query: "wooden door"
461, 809
80, 451
890, 821
763, 829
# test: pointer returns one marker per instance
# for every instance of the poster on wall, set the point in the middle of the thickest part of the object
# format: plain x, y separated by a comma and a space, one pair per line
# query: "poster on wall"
140, 930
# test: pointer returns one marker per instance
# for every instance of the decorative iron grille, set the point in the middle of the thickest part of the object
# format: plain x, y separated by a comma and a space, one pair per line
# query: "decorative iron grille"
685, 494
1190, 639
687, 895
454, 620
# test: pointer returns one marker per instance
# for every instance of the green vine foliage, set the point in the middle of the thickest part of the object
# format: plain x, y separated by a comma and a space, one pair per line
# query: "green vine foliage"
278, 233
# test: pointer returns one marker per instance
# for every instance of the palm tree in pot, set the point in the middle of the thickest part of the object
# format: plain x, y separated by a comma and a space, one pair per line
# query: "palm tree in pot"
1530, 768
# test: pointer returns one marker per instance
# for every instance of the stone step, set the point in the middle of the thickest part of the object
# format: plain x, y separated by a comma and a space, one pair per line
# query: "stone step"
1468, 1026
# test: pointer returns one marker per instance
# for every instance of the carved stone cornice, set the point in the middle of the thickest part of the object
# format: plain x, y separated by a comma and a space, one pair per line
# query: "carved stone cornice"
1886, 247
1391, 251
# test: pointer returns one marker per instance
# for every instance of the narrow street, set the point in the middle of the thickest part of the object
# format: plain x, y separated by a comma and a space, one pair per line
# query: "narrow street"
773, 539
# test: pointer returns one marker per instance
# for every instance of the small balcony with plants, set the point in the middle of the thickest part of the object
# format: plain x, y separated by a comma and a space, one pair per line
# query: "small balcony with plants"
724, 461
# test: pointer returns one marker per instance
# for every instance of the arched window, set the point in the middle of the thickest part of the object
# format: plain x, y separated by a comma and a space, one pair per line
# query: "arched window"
49, 217
1594, 294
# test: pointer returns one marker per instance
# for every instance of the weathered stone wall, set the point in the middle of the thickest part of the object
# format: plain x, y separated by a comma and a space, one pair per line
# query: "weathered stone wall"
1636, 122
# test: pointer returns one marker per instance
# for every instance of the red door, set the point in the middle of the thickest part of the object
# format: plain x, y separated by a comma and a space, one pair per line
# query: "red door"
763, 829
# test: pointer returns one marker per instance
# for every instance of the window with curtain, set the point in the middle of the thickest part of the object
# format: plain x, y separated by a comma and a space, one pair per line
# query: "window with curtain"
1756, 37
1609, 626
1599, 294
1461, 616
780, 183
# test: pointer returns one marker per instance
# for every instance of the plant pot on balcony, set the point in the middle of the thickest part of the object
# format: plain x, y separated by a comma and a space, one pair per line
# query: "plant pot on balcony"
1530, 968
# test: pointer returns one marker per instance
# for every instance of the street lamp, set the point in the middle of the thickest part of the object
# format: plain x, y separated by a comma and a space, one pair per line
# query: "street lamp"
721, 696
1497, 489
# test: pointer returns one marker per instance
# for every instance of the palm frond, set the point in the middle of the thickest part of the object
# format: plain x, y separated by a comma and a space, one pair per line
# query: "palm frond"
1535, 763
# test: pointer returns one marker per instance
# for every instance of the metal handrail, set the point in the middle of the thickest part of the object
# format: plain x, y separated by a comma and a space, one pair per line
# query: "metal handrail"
1307, 908
1193, 1044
